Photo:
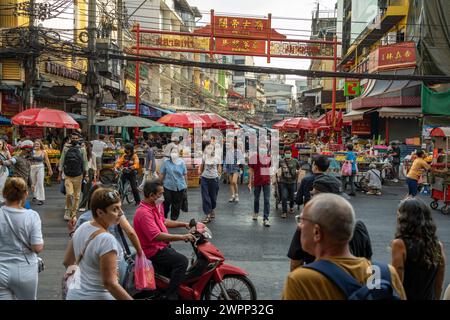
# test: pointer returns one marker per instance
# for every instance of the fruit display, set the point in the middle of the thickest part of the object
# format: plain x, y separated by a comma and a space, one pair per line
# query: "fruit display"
52, 153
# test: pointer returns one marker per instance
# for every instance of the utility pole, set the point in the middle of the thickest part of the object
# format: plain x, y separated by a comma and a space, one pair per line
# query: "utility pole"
92, 88
30, 60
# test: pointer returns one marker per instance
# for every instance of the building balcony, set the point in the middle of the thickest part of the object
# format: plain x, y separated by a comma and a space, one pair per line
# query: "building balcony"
389, 17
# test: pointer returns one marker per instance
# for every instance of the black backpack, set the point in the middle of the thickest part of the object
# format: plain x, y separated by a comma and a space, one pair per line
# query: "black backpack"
73, 162
352, 289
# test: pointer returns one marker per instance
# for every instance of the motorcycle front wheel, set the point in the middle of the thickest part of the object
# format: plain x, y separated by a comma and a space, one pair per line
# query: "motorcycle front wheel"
237, 287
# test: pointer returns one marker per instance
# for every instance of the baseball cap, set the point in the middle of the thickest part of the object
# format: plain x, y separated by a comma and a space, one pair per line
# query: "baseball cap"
327, 184
26, 144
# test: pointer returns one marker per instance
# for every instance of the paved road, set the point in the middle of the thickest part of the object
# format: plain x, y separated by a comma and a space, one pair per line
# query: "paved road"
245, 243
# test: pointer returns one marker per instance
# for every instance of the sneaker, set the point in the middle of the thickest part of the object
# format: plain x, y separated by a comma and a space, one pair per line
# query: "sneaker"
379, 193
231, 199
395, 180
255, 216
370, 192
284, 215
236, 199
266, 223
40, 203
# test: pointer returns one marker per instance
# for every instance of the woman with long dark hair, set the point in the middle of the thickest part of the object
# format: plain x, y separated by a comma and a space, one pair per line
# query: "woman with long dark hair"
417, 254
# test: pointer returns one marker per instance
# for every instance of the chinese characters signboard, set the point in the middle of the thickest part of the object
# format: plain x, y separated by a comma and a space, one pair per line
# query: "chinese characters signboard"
300, 49
362, 127
255, 28
174, 41
400, 55
241, 46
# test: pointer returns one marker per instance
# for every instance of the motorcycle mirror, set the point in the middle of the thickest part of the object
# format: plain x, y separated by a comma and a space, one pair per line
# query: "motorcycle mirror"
192, 223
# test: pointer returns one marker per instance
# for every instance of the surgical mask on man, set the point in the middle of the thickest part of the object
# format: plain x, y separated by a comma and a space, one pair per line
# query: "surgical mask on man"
159, 200
174, 156
287, 155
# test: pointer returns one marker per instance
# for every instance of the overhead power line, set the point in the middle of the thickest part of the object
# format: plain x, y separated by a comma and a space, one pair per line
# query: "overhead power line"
284, 71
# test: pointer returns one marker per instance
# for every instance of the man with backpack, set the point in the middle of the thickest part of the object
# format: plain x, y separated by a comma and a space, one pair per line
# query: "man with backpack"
74, 165
327, 223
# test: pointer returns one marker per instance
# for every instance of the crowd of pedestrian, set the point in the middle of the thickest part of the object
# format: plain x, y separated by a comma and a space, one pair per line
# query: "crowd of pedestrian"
327, 241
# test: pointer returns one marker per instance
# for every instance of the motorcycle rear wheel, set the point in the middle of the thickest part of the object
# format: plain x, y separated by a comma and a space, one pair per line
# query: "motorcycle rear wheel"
237, 287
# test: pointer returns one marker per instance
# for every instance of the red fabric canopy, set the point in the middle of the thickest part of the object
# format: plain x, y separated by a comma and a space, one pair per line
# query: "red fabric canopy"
182, 120
50, 118
301, 124
213, 120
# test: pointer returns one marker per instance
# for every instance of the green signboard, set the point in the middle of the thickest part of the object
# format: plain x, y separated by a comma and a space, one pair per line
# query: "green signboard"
352, 88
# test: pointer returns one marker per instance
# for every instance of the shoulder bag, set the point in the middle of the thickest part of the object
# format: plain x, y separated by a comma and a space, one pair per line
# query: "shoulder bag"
68, 278
41, 265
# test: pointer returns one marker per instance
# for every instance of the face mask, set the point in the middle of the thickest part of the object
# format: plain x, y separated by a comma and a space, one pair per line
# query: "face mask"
287, 155
174, 156
159, 200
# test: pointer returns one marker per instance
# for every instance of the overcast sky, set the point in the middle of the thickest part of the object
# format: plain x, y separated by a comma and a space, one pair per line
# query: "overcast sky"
278, 8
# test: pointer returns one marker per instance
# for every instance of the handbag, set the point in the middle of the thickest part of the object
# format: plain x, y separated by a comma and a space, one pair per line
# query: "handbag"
40, 261
184, 202
346, 170
69, 280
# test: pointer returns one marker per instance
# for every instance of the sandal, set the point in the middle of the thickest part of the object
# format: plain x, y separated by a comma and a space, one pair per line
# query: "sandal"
212, 215
207, 220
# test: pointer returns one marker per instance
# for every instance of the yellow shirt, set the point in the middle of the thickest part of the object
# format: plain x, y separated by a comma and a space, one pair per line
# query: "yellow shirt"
417, 167
308, 284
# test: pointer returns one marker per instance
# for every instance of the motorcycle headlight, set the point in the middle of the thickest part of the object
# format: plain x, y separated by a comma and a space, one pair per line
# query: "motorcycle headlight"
207, 233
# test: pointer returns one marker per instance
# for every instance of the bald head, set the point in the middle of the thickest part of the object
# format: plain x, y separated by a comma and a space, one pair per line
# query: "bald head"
334, 214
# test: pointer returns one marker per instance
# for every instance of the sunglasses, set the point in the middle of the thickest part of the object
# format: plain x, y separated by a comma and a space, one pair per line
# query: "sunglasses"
299, 219
113, 195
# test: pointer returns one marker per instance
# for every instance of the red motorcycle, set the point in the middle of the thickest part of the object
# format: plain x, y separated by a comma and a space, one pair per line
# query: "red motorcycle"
208, 277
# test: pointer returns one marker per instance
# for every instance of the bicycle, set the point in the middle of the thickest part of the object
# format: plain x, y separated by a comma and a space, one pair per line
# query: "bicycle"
113, 178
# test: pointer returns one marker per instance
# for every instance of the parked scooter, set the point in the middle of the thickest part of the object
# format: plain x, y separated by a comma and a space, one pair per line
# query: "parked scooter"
207, 278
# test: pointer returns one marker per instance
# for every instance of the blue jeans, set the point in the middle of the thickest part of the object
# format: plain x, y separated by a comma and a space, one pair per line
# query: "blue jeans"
210, 189
257, 193
412, 186
287, 194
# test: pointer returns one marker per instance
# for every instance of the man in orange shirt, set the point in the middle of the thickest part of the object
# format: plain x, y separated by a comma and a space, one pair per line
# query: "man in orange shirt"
129, 164
415, 172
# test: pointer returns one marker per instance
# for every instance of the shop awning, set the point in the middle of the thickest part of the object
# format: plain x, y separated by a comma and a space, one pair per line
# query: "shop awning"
400, 113
356, 114
389, 93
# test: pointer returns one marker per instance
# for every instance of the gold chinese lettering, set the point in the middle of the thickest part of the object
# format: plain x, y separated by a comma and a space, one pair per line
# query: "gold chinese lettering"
246, 44
398, 55
255, 45
223, 23
246, 24
235, 23
225, 42
259, 25
407, 54
236, 43
389, 56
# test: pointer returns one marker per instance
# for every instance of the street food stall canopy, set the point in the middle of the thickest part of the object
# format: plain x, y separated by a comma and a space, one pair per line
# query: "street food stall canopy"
49, 118
128, 122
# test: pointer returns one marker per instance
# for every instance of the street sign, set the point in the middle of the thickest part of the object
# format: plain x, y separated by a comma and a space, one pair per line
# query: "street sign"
352, 88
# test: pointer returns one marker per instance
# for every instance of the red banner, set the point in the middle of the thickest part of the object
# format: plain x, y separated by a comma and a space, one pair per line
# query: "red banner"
361, 127
10, 104
240, 27
400, 55
241, 45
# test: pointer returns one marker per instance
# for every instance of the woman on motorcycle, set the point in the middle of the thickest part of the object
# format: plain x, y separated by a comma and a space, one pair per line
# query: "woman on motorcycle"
129, 164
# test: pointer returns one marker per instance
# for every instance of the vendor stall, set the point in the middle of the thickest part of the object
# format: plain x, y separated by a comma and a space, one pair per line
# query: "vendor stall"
440, 177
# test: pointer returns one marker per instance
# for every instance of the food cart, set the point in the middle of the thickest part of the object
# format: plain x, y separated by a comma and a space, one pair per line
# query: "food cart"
440, 177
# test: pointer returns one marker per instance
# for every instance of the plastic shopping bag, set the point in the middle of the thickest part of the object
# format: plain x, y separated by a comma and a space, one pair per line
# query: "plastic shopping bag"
144, 274
346, 169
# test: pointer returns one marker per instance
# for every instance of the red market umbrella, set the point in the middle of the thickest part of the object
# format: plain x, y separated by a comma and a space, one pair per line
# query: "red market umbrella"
50, 118
301, 124
182, 120
213, 120
281, 125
